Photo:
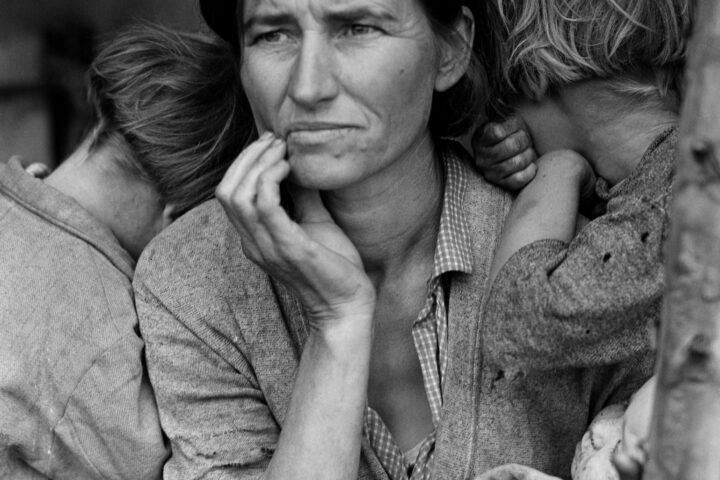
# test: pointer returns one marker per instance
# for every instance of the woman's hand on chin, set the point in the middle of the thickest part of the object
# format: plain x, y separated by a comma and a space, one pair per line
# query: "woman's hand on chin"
312, 256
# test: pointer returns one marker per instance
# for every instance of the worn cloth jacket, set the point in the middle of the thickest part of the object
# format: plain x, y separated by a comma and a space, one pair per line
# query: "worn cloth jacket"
592, 300
74, 401
224, 341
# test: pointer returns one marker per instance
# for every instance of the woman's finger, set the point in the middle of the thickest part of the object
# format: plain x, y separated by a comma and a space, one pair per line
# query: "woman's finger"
252, 233
268, 189
308, 205
287, 235
251, 250
239, 167
237, 198
243, 197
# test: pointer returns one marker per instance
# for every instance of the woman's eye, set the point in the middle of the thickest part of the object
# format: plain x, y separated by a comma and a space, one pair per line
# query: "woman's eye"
275, 36
360, 29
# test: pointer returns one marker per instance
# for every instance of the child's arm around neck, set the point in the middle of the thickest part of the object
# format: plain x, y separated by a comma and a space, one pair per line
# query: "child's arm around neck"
547, 208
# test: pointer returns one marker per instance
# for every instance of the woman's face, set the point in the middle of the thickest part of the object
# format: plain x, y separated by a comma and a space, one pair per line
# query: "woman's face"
347, 83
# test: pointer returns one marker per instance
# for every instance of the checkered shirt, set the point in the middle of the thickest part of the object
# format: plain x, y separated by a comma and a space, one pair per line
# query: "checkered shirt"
452, 254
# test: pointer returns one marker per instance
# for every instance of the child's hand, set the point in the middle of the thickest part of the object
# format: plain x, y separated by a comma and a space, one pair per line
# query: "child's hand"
504, 153
593, 455
631, 455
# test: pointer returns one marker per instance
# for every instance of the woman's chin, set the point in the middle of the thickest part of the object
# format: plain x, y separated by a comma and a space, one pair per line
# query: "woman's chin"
319, 172
314, 181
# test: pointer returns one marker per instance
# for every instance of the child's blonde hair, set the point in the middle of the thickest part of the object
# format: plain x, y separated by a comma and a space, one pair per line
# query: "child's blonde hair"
640, 44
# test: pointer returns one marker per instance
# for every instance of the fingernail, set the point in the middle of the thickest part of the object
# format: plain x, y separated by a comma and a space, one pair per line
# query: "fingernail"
266, 136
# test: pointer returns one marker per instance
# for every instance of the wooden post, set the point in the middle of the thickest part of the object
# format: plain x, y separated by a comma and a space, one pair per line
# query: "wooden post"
685, 429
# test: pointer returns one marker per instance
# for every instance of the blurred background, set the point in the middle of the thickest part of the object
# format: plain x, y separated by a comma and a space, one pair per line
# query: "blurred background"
45, 48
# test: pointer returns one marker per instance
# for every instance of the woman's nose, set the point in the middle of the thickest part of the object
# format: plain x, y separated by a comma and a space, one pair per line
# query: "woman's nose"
313, 80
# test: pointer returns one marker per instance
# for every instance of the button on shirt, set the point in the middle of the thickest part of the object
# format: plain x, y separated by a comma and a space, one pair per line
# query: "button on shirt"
452, 254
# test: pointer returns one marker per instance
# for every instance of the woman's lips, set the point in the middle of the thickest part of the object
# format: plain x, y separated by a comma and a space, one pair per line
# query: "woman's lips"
315, 136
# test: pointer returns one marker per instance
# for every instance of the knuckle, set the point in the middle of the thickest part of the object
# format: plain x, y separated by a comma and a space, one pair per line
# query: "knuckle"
266, 201
523, 177
521, 160
232, 199
524, 139
496, 131
510, 166
265, 210
261, 183
264, 180
518, 142
515, 164
530, 155
513, 145
237, 203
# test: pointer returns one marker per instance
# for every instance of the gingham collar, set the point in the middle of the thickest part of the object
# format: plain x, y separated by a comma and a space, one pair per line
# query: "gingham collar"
453, 250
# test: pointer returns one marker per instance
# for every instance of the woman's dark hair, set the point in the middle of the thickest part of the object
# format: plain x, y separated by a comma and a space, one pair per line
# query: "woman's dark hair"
453, 111
469, 101
170, 106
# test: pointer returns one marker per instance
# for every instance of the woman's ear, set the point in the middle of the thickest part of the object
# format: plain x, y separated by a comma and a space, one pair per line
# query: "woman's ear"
455, 52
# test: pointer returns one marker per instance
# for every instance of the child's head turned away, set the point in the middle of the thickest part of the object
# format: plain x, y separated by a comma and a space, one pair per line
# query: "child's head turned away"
638, 44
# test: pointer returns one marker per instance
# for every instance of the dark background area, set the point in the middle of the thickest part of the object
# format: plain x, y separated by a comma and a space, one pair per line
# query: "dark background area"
45, 48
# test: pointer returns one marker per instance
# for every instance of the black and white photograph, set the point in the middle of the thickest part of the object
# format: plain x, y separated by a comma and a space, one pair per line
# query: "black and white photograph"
359, 240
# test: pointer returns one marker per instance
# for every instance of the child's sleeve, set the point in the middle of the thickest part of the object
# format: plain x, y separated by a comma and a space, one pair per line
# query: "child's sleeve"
584, 303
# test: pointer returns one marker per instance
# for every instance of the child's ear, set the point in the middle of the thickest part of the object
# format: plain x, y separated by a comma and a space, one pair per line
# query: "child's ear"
455, 52
168, 214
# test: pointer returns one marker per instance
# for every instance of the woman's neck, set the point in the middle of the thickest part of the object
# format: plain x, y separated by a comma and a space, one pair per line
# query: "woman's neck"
393, 218
611, 130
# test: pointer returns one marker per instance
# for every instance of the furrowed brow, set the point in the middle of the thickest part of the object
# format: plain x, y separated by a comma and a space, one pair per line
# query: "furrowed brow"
355, 14
267, 19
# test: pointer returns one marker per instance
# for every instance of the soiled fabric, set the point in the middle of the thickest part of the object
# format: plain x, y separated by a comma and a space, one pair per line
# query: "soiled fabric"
74, 401
591, 301
224, 341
